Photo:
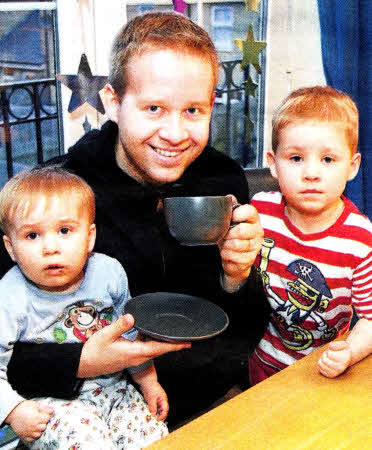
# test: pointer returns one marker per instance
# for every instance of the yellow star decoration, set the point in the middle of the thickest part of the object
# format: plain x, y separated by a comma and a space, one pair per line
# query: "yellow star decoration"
251, 49
252, 5
250, 86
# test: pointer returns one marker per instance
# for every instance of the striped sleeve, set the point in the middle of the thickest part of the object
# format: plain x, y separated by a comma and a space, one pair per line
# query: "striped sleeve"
362, 288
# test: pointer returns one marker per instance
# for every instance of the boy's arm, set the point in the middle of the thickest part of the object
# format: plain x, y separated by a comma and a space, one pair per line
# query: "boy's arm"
10, 324
154, 394
360, 340
29, 419
342, 354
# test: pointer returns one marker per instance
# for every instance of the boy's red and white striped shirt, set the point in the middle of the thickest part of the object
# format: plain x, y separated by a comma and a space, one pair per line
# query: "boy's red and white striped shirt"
313, 279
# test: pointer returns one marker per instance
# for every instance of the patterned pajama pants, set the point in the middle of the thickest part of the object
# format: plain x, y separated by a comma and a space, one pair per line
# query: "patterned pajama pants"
107, 418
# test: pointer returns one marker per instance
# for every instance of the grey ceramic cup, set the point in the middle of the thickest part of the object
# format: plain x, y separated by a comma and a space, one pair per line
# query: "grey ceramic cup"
198, 220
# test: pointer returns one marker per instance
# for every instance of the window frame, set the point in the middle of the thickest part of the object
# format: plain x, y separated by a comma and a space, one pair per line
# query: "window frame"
34, 89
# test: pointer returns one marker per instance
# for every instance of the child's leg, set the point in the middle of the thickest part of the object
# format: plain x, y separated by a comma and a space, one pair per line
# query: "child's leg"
74, 424
132, 425
126, 413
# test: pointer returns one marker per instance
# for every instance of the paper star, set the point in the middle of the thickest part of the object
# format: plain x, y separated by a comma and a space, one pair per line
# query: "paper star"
179, 6
252, 5
85, 87
249, 86
251, 49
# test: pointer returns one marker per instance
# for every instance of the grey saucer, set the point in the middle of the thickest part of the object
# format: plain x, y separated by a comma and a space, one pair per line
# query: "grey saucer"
176, 317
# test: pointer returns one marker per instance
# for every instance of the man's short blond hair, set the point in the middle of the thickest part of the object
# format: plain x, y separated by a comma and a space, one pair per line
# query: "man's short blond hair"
158, 31
318, 104
20, 192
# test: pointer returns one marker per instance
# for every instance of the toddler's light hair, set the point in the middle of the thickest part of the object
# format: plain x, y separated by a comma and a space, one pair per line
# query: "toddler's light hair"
24, 189
318, 104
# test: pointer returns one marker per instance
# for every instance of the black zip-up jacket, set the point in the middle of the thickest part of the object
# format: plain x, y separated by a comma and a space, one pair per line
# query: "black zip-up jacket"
132, 229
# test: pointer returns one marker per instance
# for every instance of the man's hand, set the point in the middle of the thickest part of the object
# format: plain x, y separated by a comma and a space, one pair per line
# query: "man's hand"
29, 419
107, 352
240, 246
335, 360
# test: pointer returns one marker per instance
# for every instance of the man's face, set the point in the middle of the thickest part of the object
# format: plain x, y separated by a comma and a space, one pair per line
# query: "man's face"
164, 115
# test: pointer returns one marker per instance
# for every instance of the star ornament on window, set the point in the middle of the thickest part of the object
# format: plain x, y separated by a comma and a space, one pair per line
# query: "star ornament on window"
251, 49
179, 6
252, 5
85, 87
250, 86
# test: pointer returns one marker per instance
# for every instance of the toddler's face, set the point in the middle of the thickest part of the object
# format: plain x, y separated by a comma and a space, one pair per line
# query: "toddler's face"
312, 163
164, 115
50, 241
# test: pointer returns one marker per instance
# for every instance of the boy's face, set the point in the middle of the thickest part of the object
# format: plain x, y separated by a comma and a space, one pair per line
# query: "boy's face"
164, 115
51, 242
312, 163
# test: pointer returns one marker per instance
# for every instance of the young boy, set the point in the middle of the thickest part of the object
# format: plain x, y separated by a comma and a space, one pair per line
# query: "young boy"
317, 252
60, 292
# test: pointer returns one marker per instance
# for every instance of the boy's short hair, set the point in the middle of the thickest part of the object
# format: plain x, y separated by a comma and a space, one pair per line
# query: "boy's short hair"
50, 181
158, 30
318, 104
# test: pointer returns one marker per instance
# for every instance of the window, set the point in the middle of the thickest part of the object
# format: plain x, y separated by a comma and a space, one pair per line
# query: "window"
30, 102
145, 8
29, 125
222, 26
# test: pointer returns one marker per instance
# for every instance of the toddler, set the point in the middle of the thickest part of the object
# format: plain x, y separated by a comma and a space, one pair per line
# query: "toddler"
61, 292
317, 252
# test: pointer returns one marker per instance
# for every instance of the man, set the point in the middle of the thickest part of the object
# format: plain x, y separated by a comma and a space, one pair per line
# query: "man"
159, 101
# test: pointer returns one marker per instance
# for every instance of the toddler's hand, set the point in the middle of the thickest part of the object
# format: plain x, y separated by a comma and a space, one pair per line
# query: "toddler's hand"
29, 419
156, 399
335, 360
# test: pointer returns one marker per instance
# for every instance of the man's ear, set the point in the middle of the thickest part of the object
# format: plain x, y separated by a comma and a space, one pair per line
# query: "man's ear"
270, 157
111, 103
354, 166
9, 247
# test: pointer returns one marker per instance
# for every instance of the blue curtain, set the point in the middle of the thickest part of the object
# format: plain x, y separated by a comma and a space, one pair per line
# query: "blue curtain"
346, 38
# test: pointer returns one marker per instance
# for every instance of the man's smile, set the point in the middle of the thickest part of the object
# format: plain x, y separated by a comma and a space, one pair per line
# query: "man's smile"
168, 153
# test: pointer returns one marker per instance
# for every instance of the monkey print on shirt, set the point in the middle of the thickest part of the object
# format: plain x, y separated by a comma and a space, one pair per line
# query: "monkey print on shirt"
84, 319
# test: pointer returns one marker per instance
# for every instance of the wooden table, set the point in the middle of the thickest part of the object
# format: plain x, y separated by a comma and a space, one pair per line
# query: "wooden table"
295, 409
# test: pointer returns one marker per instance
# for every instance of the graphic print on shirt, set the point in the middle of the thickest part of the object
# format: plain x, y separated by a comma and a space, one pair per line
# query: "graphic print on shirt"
308, 297
85, 320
